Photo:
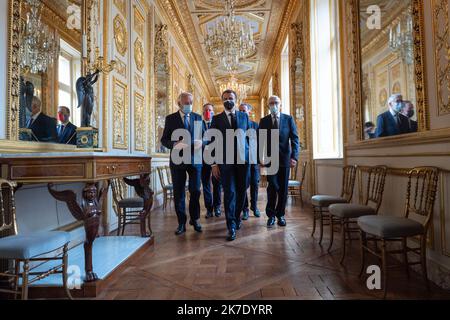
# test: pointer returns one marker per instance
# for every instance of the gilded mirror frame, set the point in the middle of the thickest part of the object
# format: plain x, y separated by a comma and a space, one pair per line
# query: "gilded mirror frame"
12, 141
419, 71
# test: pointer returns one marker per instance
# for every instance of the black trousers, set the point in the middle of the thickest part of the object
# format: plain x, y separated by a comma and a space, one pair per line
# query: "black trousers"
179, 176
234, 181
212, 199
277, 193
254, 186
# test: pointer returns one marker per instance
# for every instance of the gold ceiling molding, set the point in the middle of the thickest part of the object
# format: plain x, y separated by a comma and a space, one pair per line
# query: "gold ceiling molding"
169, 8
292, 7
441, 30
120, 35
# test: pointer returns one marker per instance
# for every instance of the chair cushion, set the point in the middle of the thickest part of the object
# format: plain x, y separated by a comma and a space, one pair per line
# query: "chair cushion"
27, 246
136, 202
390, 227
325, 201
351, 210
294, 183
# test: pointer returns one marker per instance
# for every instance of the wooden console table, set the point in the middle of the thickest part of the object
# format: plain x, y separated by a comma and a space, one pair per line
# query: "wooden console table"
90, 168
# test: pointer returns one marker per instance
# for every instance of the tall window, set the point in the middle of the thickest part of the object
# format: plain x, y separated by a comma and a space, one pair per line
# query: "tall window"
285, 84
69, 70
325, 76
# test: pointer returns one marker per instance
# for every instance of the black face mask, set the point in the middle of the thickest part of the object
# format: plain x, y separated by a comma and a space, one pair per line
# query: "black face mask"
229, 105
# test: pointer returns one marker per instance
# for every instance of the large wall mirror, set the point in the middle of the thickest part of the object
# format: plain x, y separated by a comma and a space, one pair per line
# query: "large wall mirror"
162, 84
391, 66
47, 53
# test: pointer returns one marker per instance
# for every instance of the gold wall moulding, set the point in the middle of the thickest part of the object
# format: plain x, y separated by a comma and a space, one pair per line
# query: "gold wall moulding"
120, 114
139, 122
139, 54
121, 5
139, 22
120, 35
139, 82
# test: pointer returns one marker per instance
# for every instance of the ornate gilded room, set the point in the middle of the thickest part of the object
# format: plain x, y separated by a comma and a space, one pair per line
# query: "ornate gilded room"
90, 195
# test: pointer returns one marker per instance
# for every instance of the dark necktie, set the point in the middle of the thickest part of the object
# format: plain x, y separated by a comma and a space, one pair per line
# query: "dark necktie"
186, 122
233, 121
61, 129
275, 123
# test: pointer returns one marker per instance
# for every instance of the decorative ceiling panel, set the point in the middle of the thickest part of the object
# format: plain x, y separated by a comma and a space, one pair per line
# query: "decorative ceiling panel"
264, 17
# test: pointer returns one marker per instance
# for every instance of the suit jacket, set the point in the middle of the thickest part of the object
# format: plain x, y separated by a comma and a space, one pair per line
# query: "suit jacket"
44, 128
68, 135
413, 127
387, 125
289, 141
175, 122
222, 123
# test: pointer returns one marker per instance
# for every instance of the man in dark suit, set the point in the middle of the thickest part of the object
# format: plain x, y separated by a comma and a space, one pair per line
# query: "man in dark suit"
183, 134
408, 111
213, 200
232, 172
42, 126
289, 149
254, 174
67, 131
392, 122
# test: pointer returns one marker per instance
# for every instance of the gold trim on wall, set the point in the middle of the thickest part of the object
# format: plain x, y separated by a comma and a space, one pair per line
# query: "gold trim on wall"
139, 123
120, 115
120, 35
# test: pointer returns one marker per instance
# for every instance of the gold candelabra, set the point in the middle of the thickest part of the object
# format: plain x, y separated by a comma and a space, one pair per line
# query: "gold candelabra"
101, 65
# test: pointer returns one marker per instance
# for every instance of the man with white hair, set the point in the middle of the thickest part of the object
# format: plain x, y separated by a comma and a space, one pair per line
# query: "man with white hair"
289, 149
178, 125
392, 122
42, 126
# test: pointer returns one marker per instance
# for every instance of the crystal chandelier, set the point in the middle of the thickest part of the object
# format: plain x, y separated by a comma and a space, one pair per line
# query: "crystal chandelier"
39, 46
230, 40
240, 88
401, 39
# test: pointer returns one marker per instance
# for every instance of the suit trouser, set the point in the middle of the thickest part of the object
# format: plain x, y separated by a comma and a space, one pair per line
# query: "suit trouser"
179, 175
234, 182
277, 193
254, 186
212, 199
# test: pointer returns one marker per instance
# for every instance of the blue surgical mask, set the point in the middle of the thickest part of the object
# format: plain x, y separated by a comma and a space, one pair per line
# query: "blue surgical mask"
398, 107
187, 108
274, 109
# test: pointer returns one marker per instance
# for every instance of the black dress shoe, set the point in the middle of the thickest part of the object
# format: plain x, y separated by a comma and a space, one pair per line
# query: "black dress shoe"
218, 212
180, 230
271, 222
209, 214
245, 215
231, 235
197, 226
257, 213
282, 222
239, 225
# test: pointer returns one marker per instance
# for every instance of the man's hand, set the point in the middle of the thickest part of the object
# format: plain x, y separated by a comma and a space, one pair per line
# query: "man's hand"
198, 144
293, 163
180, 145
216, 172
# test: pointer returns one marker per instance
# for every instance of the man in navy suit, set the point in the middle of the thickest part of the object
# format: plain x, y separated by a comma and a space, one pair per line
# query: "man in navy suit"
408, 111
42, 126
392, 122
254, 174
232, 172
183, 133
67, 131
213, 200
289, 149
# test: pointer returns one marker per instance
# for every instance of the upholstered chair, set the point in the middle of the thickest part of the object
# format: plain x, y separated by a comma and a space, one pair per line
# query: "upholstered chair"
28, 251
295, 186
415, 222
346, 214
321, 203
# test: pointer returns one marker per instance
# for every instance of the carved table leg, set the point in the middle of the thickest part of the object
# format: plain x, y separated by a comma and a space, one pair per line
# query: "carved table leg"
91, 226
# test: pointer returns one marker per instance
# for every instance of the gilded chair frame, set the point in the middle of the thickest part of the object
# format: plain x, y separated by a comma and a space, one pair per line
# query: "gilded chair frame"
422, 107
420, 200
12, 142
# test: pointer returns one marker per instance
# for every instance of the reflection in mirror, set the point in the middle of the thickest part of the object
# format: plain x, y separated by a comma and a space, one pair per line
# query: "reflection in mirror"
388, 80
162, 84
50, 64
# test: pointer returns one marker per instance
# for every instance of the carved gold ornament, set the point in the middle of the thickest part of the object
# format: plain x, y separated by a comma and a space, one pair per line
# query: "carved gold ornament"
120, 115
139, 54
120, 35
139, 123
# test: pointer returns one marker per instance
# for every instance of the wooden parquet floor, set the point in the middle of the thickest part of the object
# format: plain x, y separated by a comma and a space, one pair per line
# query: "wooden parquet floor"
280, 263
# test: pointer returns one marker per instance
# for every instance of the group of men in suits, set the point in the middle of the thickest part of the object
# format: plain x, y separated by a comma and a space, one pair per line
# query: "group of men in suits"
46, 129
397, 120
217, 135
